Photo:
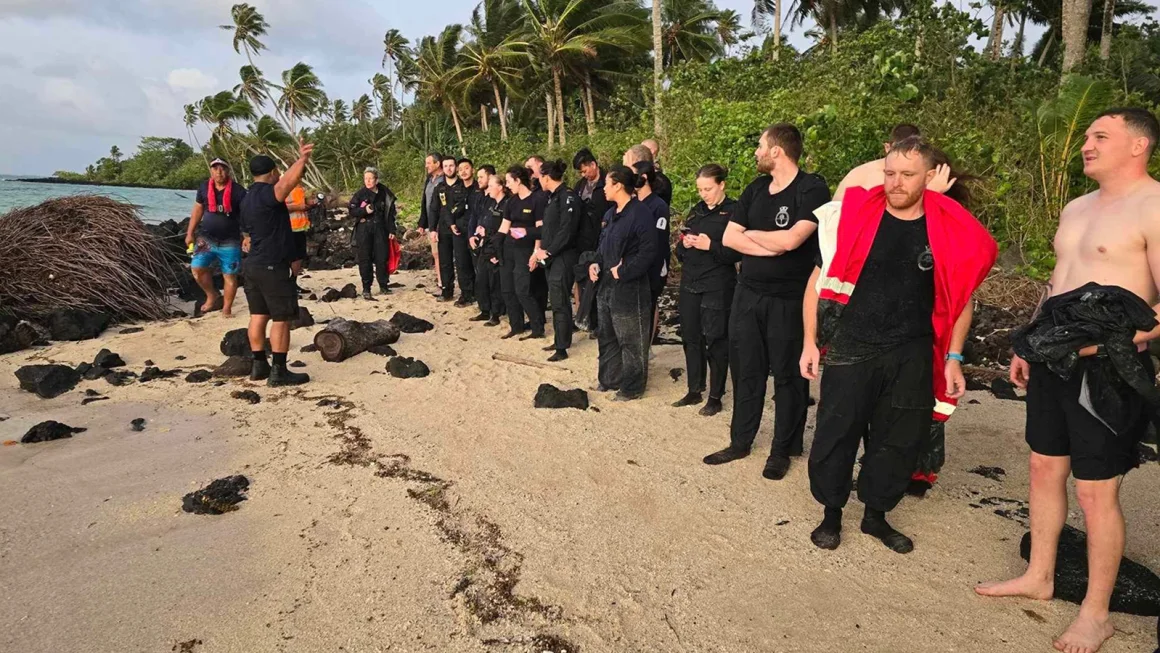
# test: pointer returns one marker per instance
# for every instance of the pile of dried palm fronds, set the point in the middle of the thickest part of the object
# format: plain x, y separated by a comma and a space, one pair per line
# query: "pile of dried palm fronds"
85, 252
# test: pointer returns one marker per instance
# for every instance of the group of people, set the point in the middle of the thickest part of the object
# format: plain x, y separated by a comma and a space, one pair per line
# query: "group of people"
876, 281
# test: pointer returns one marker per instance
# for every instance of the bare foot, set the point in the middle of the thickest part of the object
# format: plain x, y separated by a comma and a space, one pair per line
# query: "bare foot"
1031, 587
1085, 635
211, 304
227, 312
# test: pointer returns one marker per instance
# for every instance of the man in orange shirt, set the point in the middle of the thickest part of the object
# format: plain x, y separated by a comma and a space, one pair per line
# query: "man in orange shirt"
298, 204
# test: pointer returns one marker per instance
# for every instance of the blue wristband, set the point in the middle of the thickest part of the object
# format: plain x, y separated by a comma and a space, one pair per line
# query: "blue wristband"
951, 356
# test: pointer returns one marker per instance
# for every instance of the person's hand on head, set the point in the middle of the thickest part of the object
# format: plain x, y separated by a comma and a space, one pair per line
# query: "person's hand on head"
942, 181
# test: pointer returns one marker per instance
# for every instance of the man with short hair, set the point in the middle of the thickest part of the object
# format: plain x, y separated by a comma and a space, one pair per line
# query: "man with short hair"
774, 230
1108, 242
464, 262
893, 314
216, 236
270, 289
664, 187
429, 211
450, 207
590, 189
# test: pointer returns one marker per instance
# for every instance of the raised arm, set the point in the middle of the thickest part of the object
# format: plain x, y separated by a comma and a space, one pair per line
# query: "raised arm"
293, 176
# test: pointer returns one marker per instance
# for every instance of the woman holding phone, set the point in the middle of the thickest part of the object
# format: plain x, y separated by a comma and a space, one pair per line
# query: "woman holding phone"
520, 229
708, 276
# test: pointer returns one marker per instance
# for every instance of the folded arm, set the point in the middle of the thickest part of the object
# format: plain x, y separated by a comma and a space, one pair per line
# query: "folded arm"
785, 240
735, 238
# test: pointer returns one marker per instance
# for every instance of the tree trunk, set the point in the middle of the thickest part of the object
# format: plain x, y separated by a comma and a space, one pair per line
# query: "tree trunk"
483, 117
1075, 24
458, 129
559, 88
1046, 48
995, 42
1106, 34
776, 29
1017, 46
290, 118
551, 121
658, 67
833, 31
342, 339
590, 117
918, 41
499, 106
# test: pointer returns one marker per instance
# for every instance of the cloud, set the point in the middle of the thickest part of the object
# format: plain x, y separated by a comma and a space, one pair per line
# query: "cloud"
191, 79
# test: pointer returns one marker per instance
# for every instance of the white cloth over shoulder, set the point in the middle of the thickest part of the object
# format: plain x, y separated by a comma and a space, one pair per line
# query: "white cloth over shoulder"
827, 215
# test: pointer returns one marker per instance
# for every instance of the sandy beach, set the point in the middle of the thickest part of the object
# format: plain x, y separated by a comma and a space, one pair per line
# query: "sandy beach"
448, 514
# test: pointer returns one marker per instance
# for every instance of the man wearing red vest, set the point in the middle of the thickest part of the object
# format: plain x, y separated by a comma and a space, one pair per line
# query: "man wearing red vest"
892, 314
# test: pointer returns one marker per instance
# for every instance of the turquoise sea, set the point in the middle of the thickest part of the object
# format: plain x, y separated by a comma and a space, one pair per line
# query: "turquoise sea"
156, 205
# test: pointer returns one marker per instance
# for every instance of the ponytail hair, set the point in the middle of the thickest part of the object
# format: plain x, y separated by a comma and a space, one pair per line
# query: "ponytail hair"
714, 171
646, 173
554, 170
624, 176
520, 174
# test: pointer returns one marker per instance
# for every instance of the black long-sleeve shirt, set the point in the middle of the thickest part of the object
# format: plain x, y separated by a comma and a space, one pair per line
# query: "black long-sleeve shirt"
716, 268
561, 221
452, 203
629, 239
595, 206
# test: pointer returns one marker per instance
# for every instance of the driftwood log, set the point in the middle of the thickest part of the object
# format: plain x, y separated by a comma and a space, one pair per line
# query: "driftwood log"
342, 339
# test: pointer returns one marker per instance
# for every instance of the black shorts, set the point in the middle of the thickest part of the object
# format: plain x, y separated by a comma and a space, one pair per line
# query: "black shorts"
1058, 425
270, 290
299, 245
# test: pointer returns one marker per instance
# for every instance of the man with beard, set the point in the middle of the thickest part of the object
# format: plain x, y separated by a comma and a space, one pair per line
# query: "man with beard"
429, 211
1109, 238
893, 314
451, 205
774, 229
464, 260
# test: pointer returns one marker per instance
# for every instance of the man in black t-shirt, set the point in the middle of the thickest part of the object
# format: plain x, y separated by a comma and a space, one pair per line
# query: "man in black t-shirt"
216, 237
774, 229
270, 288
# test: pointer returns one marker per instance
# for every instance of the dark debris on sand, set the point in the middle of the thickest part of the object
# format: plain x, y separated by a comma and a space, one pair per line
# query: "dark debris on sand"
50, 430
297, 364
152, 373
130, 330
549, 396
247, 395
383, 350
219, 497
137, 425
198, 376
993, 473
108, 360
47, 381
234, 366
403, 367
410, 323
675, 374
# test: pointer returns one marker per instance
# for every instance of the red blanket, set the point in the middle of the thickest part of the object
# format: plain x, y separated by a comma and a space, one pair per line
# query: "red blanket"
963, 252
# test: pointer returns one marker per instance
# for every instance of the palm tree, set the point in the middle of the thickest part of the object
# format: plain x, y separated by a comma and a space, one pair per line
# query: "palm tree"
828, 14
1106, 30
438, 73
658, 65
222, 110
763, 9
994, 47
267, 136
248, 27
253, 86
360, 109
689, 31
395, 48
562, 32
115, 154
729, 31
301, 93
191, 119
381, 89
1076, 14
493, 56
338, 114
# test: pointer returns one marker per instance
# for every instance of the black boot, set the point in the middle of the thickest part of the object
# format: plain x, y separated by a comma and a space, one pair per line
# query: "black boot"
480, 318
367, 296
494, 321
711, 408
828, 534
280, 376
726, 455
874, 524
690, 399
776, 467
259, 370
560, 355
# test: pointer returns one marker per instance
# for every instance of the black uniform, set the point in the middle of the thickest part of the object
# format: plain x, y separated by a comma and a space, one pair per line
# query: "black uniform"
454, 253
559, 236
708, 279
625, 322
765, 326
878, 377
269, 285
375, 223
488, 287
518, 246
595, 205
658, 272
664, 187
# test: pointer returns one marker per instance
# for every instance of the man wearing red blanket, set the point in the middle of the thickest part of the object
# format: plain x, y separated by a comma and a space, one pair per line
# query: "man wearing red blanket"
892, 314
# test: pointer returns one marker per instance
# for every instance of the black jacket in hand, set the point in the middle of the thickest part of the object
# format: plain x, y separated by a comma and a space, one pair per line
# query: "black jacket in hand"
379, 212
561, 222
451, 202
1094, 315
716, 268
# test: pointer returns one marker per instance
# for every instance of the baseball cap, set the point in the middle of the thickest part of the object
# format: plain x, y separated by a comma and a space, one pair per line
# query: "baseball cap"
219, 162
261, 165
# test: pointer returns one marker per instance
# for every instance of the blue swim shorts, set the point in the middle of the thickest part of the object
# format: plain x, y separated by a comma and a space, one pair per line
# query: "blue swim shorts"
226, 255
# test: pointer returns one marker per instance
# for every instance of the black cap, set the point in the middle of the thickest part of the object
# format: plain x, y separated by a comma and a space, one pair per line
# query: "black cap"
261, 165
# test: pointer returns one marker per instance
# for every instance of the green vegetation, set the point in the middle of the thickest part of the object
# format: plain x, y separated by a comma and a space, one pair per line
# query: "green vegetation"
549, 76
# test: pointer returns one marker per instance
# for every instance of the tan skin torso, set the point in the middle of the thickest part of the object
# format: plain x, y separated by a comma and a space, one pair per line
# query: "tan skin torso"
1106, 240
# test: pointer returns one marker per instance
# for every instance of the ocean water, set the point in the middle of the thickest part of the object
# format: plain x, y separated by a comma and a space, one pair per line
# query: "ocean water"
156, 205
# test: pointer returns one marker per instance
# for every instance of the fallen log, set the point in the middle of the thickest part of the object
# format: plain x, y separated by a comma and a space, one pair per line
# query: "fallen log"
342, 339
523, 361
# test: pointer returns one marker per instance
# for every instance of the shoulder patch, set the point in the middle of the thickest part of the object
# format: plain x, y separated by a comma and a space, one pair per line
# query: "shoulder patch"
662, 223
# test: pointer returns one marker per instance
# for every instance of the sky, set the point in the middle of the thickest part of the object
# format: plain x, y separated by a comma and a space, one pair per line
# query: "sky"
78, 76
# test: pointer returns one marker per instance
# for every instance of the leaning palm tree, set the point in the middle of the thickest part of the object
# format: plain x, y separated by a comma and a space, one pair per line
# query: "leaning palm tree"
361, 109
764, 10
253, 86
248, 27
267, 136
395, 48
191, 119
439, 80
338, 113
381, 90
495, 53
690, 31
302, 94
729, 31
560, 32
827, 14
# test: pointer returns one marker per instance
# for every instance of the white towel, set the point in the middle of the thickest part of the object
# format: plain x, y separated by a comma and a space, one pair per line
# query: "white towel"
827, 215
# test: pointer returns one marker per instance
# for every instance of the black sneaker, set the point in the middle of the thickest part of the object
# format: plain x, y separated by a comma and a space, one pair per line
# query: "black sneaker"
259, 370
385, 291
494, 321
726, 455
280, 376
560, 355
480, 318
690, 399
776, 467
464, 301
532, 336
367, 296
511, 334
549, 348
711, 408
445, 298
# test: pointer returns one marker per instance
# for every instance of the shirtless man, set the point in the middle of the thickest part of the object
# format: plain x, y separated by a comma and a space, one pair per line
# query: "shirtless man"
870, 175
1111, 237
